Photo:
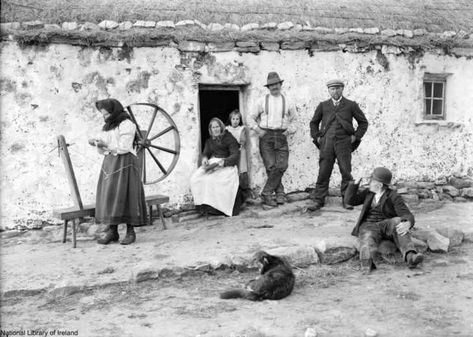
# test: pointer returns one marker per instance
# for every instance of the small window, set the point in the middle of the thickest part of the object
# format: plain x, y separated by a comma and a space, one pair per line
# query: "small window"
434, 95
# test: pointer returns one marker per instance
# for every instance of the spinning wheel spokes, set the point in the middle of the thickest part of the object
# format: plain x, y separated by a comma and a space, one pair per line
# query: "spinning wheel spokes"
163, 147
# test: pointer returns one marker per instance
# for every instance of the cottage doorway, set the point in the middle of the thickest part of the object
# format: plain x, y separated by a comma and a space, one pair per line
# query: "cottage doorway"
216, 101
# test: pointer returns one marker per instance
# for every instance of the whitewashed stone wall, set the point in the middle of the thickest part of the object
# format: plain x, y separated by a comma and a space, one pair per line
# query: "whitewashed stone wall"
46, 91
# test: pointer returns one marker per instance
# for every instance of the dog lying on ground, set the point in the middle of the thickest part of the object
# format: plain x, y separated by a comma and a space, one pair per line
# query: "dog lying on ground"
275, 282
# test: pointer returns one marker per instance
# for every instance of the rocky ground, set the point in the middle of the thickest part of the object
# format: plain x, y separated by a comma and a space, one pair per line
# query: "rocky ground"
167, 284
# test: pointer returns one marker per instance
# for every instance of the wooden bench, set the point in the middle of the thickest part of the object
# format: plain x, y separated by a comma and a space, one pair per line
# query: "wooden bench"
78, 211
73, 214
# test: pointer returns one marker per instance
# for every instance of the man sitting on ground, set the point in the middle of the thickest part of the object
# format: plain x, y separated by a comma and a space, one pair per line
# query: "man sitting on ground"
384, 216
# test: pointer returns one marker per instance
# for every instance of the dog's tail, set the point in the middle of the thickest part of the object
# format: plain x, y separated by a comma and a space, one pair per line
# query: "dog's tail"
239, 293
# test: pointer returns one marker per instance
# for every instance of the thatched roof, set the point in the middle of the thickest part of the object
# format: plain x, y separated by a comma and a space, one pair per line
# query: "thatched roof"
432, 15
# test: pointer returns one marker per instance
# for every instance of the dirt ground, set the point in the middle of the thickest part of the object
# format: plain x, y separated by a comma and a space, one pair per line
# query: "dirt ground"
434, 300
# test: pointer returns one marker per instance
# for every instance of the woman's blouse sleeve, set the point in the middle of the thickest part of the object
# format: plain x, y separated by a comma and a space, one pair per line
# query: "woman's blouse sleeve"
234, 149
126, 136
207, 149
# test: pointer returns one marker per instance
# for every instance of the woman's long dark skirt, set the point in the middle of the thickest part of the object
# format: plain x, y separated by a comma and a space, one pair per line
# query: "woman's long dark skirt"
120, 194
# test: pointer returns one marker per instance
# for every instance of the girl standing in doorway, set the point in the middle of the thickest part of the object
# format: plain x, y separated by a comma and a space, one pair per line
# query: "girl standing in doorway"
239, 131
120, 194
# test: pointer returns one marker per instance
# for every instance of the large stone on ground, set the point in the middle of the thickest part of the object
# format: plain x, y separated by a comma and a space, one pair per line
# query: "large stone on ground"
425, 194
421, 246
402, 190
468, 235
144, 271
467, 192
298, 256
336, 250
411, 199
435, 241
297, 196
426, 184
454, 235
451, 191
460, 183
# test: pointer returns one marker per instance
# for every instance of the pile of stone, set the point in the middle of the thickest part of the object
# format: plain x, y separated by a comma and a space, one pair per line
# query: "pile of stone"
457, 189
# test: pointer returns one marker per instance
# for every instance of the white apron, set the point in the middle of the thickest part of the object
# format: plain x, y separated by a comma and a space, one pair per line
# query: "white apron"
217, 189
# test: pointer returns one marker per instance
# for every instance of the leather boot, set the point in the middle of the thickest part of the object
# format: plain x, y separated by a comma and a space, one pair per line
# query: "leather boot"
130, 235
280, 200
111, 235
367, 264
268, 200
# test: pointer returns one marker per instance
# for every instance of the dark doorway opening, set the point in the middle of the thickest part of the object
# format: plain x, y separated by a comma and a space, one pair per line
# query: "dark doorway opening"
216, 102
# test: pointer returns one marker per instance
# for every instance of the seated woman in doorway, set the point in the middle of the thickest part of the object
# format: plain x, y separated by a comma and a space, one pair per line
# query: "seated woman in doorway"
215, 184
120, 195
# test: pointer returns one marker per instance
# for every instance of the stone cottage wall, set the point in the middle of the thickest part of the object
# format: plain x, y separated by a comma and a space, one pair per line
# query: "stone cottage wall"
50, 90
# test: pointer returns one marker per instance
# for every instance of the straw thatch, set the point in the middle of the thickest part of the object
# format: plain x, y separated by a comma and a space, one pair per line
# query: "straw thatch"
432, 15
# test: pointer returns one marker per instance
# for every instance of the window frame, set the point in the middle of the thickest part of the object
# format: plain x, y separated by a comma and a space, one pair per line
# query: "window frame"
433, 78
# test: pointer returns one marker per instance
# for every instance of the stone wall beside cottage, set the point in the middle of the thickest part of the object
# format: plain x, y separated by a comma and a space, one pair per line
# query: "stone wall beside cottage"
50, 90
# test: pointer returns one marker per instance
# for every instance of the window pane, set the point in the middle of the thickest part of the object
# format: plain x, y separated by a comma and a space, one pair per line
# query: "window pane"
428, 104
437, 108
428, 89
438, 90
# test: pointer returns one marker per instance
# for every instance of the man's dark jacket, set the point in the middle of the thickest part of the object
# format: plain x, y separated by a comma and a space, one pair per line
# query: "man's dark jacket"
345, 111
392, 205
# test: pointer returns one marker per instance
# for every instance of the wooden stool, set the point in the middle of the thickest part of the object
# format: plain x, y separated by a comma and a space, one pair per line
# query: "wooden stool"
74, 215
156, 199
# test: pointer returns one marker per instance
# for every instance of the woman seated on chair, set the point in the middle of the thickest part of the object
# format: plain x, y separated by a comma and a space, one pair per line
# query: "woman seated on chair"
215, 184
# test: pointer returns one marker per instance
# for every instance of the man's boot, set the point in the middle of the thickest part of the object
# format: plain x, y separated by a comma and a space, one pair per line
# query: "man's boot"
367, 264
413, 259
111, 235
315, 207
280, 200
130, 235
268, 200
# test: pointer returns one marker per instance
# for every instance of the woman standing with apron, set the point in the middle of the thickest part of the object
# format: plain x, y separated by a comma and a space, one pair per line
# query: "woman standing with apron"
120, 195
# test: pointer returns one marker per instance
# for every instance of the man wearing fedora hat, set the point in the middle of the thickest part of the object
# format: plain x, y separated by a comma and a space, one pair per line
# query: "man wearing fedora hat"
332, 131
384, 216
270, 120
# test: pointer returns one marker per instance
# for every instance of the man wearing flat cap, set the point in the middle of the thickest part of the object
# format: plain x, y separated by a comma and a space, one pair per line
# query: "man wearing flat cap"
332, 131
270, 120
384, 216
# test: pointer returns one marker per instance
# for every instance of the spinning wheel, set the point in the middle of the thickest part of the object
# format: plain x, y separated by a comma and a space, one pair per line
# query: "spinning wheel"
159, 145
